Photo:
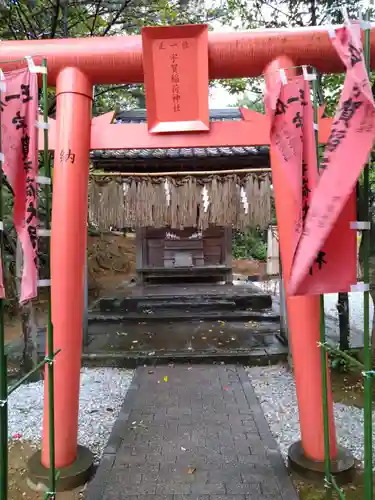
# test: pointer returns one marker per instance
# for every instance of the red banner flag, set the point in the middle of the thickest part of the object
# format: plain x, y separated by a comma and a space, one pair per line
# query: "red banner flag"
331, 271
293, 137
346, 152
19, 106
285, 102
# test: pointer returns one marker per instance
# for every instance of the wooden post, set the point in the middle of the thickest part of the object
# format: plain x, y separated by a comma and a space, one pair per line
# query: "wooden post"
85, 319
227, 251
140, 234
273, 252
68, 257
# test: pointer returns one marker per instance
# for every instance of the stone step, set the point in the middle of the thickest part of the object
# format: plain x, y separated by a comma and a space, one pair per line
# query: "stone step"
255, 301
171, 315
204, 305
195, 338
117, 343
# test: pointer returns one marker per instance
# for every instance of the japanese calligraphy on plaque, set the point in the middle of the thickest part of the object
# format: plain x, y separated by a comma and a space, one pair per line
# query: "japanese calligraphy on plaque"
175, 65
18, 108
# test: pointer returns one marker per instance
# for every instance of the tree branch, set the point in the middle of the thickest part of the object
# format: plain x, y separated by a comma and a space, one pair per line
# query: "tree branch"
55, 19
95, 17
21, 21
22, 14
112, 23
115, 87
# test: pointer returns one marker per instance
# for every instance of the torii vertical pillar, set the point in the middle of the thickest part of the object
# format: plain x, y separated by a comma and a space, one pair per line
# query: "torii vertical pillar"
68, 254
304, 327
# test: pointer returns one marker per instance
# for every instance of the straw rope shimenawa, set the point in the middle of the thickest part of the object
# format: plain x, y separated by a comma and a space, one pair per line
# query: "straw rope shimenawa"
237, 200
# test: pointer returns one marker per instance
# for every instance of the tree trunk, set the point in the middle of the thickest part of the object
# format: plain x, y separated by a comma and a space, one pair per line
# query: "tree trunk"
343, 310
30, 346
29, 328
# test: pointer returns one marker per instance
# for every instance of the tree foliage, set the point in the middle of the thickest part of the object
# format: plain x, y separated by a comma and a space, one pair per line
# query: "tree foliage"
50, 19
250, 244
252, 14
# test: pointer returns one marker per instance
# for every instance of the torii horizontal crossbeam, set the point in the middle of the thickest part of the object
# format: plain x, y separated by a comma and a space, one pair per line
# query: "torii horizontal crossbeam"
252, 129
118, 59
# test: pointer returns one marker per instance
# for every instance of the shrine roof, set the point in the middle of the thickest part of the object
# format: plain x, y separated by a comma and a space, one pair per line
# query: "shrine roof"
140, 115
247, 155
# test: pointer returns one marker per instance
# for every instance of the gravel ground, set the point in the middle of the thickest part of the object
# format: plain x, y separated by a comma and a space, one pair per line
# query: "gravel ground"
102, 393
330, 301
275, 388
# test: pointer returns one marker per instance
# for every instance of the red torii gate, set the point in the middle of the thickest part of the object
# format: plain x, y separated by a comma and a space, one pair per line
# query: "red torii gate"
74, 66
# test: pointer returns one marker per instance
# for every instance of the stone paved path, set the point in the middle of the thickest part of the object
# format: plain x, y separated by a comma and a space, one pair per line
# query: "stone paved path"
200, 435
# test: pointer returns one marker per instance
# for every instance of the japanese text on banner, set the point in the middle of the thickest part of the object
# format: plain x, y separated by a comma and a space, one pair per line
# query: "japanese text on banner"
284, 105
326, 274
19, 106
331, 271
348, 147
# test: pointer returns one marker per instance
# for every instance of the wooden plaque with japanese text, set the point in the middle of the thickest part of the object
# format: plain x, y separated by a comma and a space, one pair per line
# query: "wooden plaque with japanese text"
175, 65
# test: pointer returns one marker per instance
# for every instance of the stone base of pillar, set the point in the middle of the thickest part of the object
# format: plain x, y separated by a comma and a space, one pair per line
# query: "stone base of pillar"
77, 474
343, 467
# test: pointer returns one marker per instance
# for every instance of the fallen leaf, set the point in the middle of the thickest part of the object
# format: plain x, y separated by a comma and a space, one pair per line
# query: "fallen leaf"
190, 470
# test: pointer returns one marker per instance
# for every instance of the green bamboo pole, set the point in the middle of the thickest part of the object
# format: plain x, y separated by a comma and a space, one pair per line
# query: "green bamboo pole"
24, 379
50, 347
367, 358
3, 367
323, 354
354, 363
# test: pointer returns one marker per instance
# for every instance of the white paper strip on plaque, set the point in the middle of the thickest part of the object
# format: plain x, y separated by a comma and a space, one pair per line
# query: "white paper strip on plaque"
43, 232
360, 225
43, 180
42, 283
360, 287
43, 125
33, 68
